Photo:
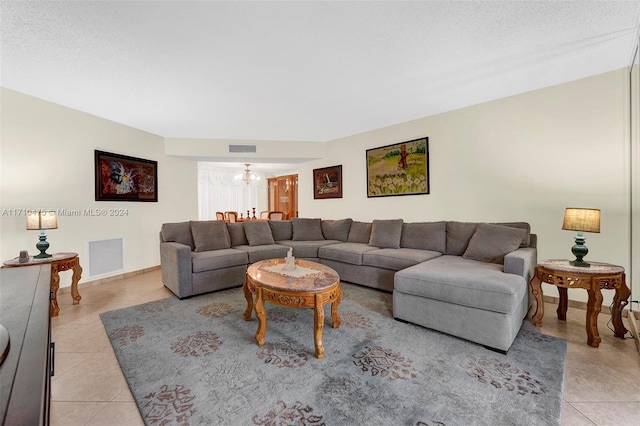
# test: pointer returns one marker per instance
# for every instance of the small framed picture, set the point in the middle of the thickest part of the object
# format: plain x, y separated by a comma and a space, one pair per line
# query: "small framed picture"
123, 178
398, 169
327, 182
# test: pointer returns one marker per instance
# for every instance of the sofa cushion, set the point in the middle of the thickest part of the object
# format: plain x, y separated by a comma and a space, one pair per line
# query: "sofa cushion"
526, 239
262, 252
177, 233
210, 235
258, 233
345, 252
396, 259
306, 229
458, 236
217, 259
336, 229
465, 282
306, 249
281, 229
386, 233
236, 234
360, 232
490, 243
425, 236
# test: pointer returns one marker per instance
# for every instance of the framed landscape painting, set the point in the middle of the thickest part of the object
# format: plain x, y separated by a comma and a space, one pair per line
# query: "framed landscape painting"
398, 169
123, 178
327, 182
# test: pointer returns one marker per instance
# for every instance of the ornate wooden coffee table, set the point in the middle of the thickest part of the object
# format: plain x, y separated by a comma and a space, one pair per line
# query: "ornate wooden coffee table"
310, 285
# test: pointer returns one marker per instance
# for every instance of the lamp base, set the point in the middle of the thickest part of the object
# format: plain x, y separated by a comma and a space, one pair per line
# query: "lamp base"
580, 263
579, 250
42, 245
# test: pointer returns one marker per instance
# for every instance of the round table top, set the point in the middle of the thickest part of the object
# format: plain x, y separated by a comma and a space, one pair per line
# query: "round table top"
308, 276
596, 268
33, 261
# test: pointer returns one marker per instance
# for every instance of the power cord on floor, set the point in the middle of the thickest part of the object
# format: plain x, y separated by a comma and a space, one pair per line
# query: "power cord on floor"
611, 317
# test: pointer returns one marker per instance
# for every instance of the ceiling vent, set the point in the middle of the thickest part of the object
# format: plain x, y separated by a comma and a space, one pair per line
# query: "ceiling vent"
243, 148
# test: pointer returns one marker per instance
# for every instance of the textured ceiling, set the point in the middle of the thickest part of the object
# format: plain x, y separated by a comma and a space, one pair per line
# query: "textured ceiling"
306, 71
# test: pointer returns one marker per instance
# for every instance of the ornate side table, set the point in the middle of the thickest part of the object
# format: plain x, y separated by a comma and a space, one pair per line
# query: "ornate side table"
599, 276
59, 262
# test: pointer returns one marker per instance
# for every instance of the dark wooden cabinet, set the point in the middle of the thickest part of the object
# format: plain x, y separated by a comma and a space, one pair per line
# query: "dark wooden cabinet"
25, 373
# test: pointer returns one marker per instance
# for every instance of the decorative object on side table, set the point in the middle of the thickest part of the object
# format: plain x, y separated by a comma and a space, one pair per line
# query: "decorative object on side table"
581, 220
42, 220
564, 275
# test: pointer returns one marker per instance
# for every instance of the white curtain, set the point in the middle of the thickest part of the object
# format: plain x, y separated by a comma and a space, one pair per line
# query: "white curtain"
221, 190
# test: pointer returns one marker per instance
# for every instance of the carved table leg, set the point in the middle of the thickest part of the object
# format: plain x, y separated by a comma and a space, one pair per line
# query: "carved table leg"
594, 305
262, 317
536, 289
318, 324
619, 302
564, 303
335, 318
77, 274
55, 285
249, 297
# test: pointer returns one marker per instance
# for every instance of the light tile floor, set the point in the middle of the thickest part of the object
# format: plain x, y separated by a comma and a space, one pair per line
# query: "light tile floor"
602, 386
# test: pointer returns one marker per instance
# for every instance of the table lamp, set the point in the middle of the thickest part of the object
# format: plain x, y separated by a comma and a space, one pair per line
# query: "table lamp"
40, 221
581, 220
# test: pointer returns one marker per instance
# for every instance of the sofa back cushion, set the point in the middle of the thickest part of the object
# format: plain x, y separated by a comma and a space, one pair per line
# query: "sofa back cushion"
386, 233
306, 229
490, 243
360, 232
236, 234
336, 229
425, 236
526, 239
258, 233
281, 229
210, 235
458, 236
177, 233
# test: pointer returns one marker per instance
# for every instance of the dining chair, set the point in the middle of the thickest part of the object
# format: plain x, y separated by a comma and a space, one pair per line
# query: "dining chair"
231, 216
219, 216
276, 216
264, 214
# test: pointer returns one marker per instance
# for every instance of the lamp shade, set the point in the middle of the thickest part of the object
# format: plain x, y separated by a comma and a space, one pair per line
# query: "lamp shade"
42, 220
579, 219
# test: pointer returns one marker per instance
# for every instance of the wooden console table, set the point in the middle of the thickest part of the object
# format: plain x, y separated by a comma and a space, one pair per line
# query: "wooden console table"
59, 262
593, 279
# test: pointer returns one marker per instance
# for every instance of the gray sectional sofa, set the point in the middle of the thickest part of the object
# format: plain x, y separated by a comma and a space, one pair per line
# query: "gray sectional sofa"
461, 278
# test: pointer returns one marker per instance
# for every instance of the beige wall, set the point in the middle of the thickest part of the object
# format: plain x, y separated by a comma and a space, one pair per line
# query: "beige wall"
522, 158
47, 161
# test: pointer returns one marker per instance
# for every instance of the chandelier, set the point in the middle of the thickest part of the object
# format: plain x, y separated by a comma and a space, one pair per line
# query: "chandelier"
247, 177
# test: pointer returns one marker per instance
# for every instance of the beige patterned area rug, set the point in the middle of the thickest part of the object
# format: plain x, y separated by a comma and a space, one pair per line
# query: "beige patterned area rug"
195, 362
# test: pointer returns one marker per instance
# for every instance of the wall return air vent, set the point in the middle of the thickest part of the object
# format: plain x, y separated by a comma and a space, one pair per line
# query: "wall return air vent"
243, 148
